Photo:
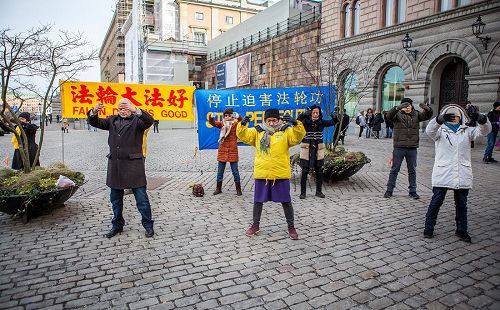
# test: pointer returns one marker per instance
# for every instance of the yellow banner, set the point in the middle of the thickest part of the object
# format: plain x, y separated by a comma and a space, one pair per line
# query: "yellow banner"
163, 102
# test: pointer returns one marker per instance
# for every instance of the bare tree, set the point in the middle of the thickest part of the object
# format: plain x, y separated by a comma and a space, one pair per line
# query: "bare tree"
32, 62
346, 76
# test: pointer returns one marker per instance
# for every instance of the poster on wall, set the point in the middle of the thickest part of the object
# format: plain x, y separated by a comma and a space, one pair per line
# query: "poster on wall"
234, 72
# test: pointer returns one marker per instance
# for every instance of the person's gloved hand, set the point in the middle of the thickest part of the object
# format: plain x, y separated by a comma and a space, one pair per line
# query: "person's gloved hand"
481, 119
441, 119
308, 112
334, 117
245, 120
288, 118
474, 116
403, 105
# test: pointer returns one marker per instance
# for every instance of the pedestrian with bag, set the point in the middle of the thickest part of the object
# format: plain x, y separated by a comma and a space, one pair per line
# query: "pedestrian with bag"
494, 118
272, 140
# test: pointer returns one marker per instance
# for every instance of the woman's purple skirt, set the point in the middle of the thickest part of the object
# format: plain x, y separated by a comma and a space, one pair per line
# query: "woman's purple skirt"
272, 190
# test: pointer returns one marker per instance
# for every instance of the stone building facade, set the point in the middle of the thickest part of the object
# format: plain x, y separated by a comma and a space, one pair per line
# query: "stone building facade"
445, 64
287, 60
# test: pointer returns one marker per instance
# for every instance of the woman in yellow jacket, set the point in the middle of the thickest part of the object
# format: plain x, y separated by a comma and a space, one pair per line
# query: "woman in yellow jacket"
272, 139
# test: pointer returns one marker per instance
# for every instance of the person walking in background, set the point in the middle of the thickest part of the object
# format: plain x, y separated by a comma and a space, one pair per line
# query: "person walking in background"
30, 131
57, 118
65, 126
228, 148
50, 118
378, 119
272, 141
369, 122
155, 126
344, 126
406, 141
493, 116
452, 163
126, 167
312, 148
389, 125
361, 122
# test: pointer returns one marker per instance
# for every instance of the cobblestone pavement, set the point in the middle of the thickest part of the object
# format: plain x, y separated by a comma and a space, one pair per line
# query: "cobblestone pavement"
356, 250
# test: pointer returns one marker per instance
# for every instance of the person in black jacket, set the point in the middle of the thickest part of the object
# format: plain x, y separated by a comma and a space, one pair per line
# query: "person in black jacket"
30, 131
406, 141
494, 117
126, 160
378, 119
389, 126
369, 122
312, 148
340, 130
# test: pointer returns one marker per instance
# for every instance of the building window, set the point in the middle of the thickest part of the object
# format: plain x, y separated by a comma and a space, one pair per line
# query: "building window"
392, 88
198, 61
357, 10
199, 38
350, 93
262, 69
347, 21
229, 20
198, 16
401, 18
446, 5
389, 9
463, 2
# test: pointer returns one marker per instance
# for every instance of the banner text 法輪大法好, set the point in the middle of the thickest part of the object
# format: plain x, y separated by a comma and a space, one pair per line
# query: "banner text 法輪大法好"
253, 102
163, 102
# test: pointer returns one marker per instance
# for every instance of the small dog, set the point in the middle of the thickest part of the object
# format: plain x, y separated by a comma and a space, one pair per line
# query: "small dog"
198, 190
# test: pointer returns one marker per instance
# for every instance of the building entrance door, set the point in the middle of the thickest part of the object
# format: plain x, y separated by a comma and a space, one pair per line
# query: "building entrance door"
454, 87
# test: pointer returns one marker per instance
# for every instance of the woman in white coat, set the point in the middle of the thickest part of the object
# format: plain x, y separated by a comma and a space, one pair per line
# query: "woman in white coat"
452, 164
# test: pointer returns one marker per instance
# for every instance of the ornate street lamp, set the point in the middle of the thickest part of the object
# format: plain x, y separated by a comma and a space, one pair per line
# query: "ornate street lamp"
407, 41
478, 29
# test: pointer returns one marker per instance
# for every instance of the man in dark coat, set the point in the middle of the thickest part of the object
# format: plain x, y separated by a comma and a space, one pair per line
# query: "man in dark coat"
125, 160
378, 119
406, 139
312, 148
494, 117
389, 125
30, 131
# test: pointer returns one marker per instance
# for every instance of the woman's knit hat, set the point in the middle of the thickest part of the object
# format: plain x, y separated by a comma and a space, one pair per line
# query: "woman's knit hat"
25, 115
272, 113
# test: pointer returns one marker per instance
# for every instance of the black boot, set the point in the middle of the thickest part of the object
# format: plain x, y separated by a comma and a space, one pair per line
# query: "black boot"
319, 185
303, 183
238, 188
218, 190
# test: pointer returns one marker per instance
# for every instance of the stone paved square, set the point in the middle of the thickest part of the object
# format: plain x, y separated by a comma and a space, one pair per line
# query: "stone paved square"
356, 250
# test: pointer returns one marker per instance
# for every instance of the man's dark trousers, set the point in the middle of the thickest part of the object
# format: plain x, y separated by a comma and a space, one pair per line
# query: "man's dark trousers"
398, 154
143, 205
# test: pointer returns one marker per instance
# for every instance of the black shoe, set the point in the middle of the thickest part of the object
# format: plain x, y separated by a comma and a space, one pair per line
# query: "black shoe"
414, 195
302, 196
320, 195
428, 233
388, 194
491, 160
463, 235
113, 232
149, 233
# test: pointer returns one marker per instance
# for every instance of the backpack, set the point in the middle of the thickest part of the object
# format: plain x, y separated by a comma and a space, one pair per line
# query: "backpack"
357, 120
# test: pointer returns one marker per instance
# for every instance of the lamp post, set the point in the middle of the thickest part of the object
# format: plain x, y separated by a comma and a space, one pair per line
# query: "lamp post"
407, 41
478, 29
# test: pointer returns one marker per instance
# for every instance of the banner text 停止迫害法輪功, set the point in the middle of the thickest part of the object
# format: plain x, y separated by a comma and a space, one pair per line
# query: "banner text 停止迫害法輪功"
253, 103
163, 102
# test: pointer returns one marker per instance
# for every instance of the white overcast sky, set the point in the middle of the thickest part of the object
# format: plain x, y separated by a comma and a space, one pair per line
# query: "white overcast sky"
91, 17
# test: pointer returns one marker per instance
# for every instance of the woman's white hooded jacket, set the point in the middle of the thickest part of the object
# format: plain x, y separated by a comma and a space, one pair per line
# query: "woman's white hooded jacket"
452, 164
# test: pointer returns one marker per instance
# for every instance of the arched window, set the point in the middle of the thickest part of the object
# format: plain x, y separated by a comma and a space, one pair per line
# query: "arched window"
347, 21
401, 11
357, 9
350, 93
392, 88
389, 12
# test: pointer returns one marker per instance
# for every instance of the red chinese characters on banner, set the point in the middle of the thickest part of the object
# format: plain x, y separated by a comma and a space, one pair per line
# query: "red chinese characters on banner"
173, 99
155, 99
82, 95
106, 95
129, 94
